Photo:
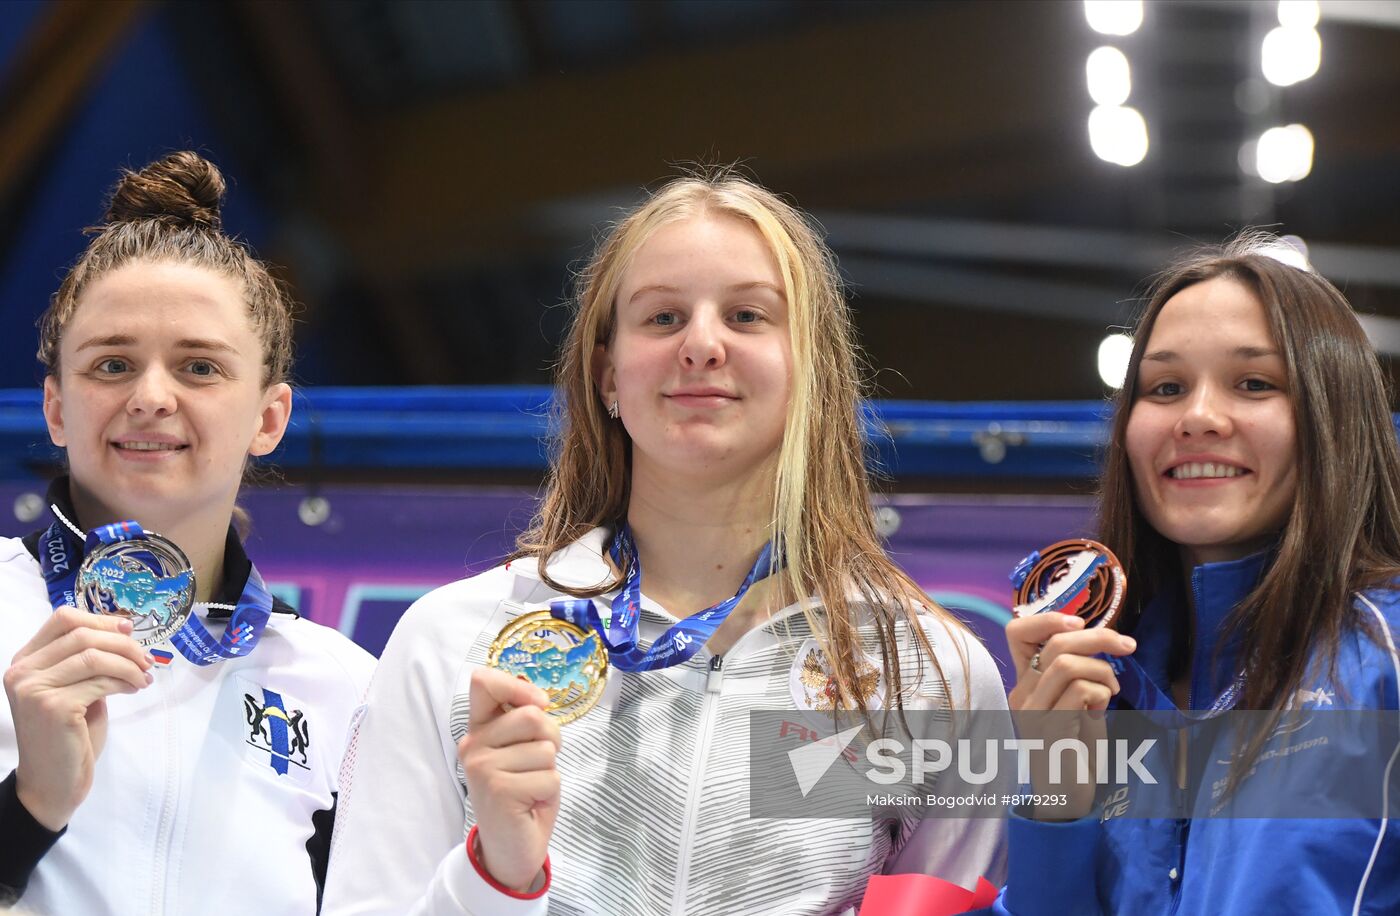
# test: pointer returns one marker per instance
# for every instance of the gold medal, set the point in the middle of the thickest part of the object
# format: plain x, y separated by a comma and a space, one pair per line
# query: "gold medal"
567, 663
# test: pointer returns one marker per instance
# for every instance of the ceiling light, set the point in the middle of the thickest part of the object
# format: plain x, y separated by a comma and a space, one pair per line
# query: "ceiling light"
1110, 78
1114, 353
1118, 134
1113, 17
1284, 154
1291, 55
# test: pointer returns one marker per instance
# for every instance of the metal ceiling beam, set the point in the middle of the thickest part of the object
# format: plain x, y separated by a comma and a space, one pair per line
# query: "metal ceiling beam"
1384, 13
1103, 306
982, 240
916, 83
1137, 254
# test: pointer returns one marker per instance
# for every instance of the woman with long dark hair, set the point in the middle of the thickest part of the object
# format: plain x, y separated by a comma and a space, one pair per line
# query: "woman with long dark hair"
1252, 493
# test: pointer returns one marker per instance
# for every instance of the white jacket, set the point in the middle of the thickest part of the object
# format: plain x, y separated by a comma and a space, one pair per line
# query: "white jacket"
654, 811
187, 814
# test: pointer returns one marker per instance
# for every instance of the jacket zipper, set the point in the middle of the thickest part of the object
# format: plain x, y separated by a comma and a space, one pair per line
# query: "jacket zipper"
1183, 825
692, 802
165, 824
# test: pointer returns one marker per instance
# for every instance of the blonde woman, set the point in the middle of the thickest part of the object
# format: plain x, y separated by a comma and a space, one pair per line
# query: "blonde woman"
708, 474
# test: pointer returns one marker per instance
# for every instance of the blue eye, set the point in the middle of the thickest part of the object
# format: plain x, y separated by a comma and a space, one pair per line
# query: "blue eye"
665, 319
112, 366
202, 368
747, 316
1167, 389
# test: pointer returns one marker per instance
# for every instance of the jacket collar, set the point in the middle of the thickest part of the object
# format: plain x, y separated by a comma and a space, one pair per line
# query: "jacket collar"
237, 566
1217, 588
582, 564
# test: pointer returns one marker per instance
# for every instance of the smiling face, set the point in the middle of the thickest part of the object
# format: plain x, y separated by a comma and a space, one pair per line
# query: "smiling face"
700, 359
1211, 439
159, 395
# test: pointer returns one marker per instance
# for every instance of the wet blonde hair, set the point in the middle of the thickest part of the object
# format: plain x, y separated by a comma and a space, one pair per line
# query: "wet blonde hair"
822, 521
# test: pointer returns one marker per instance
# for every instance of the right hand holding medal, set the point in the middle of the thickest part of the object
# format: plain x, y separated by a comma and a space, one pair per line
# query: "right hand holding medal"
1065, 676
1057, 674
508, 756
57, 686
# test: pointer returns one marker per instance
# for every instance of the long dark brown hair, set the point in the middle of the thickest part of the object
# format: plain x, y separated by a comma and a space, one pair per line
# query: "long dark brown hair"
1343, 531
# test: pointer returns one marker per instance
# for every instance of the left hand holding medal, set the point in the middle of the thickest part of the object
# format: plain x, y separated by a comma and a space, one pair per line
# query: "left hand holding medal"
508, 756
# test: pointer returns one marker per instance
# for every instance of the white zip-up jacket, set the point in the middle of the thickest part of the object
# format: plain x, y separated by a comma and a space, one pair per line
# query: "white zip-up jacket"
654, 815
187, 814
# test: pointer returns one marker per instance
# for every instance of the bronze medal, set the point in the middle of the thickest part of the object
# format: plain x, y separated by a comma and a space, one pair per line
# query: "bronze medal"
1072, 577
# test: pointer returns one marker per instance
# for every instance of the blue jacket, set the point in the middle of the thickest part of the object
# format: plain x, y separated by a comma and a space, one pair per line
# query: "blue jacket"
1145, 866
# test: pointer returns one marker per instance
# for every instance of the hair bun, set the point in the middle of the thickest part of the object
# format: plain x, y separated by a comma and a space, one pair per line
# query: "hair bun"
182, 188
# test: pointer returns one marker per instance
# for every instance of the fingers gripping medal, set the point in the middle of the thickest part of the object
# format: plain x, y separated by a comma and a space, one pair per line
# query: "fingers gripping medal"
567, 663
1072, 577
144, 578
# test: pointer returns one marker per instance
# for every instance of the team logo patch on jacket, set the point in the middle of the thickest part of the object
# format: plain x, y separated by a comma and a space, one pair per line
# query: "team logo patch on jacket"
276, 731
813, 683
1312, 699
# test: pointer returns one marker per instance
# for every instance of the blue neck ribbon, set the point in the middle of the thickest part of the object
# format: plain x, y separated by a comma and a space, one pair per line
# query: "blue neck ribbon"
1139, 691
60, 555
619, 633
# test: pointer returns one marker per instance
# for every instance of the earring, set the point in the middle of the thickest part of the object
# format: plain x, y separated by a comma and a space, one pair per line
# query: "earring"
612, 409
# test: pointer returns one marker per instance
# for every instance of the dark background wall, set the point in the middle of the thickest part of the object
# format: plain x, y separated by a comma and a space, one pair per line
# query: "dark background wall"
428, 172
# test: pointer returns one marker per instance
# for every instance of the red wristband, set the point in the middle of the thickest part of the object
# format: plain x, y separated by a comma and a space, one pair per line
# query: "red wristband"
486, 876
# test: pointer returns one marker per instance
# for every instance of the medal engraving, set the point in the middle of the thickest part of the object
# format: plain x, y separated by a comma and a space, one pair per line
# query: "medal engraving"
148, 580
1079, 576
567, 663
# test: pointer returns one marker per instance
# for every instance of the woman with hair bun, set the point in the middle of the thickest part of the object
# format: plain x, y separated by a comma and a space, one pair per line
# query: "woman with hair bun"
176, 747
709, 491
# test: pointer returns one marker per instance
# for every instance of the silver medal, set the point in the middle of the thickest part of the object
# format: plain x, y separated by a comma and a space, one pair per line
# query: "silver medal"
147, 580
